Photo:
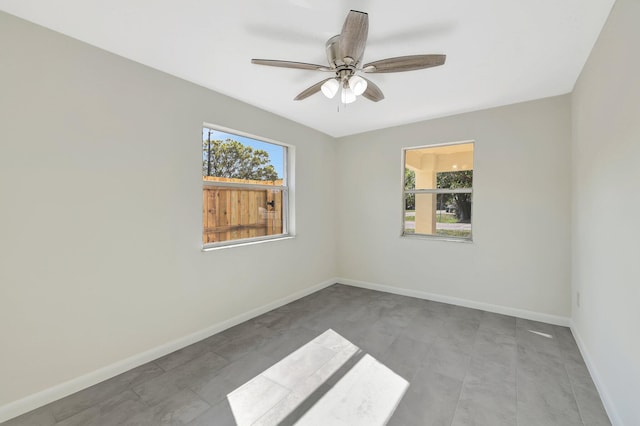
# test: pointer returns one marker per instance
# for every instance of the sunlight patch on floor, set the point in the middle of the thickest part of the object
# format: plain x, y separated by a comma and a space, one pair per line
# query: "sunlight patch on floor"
367, 395
328, 381
539, 333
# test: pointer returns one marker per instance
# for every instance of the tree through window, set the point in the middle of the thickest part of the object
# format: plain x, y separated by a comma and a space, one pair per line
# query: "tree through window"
244, 192
438, 188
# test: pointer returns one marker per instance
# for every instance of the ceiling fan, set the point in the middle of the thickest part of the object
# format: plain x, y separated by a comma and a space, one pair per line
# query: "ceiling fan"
344, 53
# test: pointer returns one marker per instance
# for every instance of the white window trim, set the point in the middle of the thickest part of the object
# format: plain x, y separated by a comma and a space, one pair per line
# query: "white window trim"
287, 193
404, 192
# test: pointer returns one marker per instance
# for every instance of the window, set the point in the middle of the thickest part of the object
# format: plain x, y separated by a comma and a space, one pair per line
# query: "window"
244, 188
438, 191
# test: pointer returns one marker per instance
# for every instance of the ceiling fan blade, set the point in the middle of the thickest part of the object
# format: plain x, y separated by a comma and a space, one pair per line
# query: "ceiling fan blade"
405, 63
373, 92
290, 64
311, 90
353, 37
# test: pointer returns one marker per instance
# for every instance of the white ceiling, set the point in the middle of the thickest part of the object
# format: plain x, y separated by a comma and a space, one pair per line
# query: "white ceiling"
498, 51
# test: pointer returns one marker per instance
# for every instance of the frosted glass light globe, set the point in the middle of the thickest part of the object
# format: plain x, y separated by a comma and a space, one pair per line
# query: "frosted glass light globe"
330, 88
347, 96
358, 85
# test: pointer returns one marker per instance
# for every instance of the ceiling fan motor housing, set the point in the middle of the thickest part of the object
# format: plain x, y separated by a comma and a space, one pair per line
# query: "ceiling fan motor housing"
344, 67
332, 50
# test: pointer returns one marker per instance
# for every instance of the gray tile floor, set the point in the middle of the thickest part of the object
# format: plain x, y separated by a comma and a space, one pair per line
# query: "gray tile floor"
464, 367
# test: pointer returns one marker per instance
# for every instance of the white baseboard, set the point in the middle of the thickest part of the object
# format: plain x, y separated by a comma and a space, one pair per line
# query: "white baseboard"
39, 399
61, 390
604, 396
521, 313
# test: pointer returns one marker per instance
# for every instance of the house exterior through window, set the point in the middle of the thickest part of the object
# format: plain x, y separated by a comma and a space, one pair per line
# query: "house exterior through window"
438, 190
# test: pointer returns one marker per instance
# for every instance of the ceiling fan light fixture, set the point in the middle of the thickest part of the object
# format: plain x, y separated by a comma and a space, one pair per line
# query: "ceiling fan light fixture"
358, 85
347, 96
345, 52
330, 88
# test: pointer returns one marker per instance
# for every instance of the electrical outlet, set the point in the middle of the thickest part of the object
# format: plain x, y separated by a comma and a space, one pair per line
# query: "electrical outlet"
578, 299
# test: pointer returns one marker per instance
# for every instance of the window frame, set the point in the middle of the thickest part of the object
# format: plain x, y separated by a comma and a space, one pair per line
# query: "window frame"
405, 192
285, 188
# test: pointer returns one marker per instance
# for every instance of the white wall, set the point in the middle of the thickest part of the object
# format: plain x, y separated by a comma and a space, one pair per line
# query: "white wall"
606, 212
520, 255
100, 215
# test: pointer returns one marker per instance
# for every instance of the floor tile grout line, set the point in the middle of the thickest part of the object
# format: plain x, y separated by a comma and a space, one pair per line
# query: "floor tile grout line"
275, 403
464, 380
573, 391
455, 410
140, 397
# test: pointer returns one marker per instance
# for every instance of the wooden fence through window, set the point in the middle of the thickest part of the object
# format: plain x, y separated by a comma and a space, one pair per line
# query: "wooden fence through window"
232, 213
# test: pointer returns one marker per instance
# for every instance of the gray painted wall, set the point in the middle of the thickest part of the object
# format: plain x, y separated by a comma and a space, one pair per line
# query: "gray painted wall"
101, 211
606, 206
520, 255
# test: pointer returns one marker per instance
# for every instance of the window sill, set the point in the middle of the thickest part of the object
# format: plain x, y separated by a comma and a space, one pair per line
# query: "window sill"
241, 243
436, 238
